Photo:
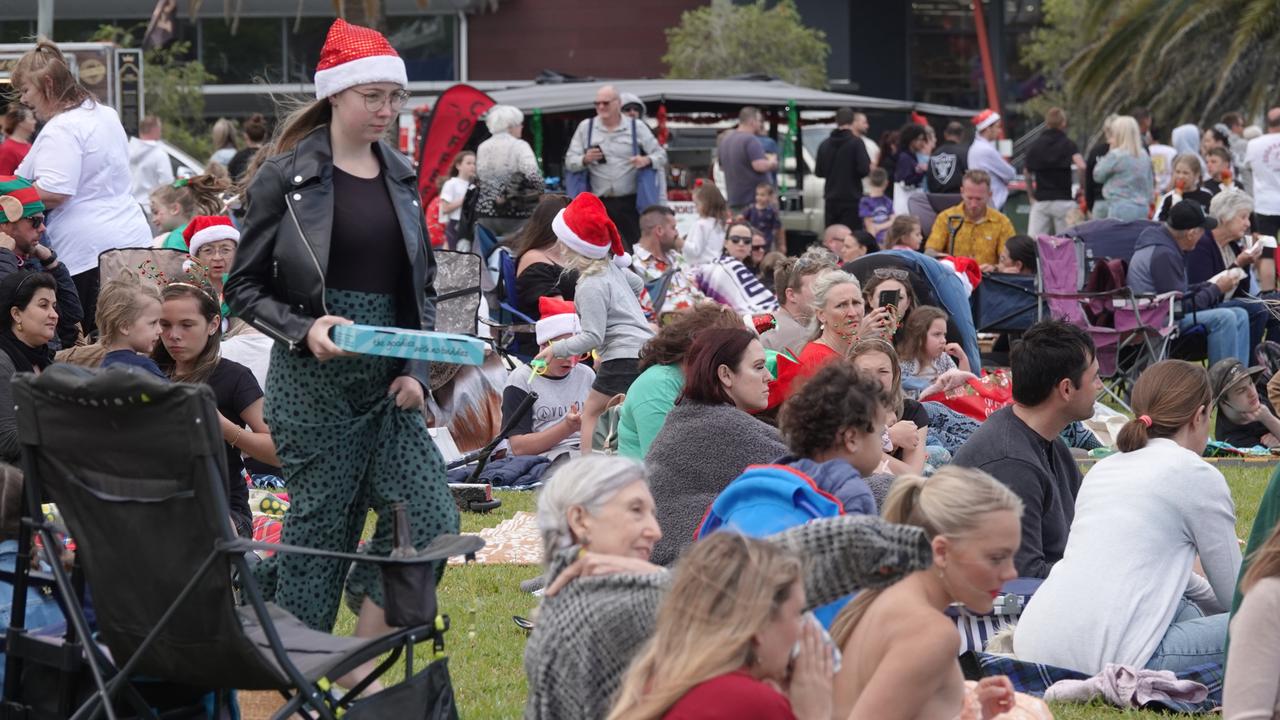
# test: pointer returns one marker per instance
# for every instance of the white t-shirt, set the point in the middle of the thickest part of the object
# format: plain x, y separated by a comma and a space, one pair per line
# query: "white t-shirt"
454, 190
1263, 158
705, 241
83, 153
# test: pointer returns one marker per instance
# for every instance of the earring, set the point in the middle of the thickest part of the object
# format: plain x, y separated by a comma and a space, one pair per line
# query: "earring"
19, 326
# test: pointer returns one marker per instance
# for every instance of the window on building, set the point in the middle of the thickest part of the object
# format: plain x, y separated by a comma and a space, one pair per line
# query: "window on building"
252, 53
426, 42
305, 40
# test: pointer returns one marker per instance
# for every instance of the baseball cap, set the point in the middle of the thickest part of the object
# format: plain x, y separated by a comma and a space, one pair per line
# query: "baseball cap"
1188, 214
1228, 373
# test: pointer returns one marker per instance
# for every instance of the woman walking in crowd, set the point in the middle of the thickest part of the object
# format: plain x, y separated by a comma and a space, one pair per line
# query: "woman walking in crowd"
28, 321
540, 270
1128, 181
725, 381
899, 648
507, 173
661, 379
596, 516
454, 193
1161, 612
1252, 687
608, 301
18, 126
80, 167
910, 165
348, 430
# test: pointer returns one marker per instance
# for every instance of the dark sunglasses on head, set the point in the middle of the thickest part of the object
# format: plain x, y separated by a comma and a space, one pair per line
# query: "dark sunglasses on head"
891, 274
740, 239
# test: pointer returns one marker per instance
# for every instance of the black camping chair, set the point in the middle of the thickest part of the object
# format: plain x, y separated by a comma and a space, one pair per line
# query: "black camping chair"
136, 467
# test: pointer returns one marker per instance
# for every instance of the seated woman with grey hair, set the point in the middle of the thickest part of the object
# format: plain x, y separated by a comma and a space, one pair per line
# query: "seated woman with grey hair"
1230, 246
598, 526
507, 173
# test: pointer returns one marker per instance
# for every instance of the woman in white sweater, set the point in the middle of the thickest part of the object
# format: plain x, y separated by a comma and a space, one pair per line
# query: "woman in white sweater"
1126, 590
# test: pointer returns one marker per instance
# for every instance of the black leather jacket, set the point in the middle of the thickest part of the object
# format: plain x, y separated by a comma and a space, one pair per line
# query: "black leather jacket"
278, 281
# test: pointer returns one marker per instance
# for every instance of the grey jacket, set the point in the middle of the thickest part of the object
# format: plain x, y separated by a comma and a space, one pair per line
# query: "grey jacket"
587, 634
700, 449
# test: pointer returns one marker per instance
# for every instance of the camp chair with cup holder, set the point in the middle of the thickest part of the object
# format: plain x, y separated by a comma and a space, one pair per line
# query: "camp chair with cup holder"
150, 523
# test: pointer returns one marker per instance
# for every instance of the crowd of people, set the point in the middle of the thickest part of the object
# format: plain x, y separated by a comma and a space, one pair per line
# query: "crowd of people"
782, 506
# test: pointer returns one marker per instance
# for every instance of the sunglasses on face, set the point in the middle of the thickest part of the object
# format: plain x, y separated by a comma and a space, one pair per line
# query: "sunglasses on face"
740, 239
758, 248
36, 221
604, 103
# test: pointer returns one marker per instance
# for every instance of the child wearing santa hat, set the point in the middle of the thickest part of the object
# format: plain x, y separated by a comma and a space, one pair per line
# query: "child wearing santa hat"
551, 427
608, 304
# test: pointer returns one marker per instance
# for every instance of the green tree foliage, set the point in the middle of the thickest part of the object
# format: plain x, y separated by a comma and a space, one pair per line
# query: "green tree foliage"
1188, 60
723, 39
172, 87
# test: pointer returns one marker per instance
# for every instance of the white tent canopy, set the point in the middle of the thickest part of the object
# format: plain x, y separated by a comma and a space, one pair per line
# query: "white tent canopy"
578, 96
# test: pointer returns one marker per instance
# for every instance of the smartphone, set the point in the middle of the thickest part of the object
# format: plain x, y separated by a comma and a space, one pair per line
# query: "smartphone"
889, 298
597, 147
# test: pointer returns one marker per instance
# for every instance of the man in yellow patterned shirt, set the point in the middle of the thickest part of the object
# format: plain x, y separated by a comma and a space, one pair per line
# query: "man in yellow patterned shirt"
980, 230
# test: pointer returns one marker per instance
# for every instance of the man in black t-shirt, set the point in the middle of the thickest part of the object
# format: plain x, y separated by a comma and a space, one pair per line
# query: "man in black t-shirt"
949, 161
1050, 160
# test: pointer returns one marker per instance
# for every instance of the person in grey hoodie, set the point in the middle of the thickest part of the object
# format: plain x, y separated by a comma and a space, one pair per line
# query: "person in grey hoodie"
1158, 267
148, 162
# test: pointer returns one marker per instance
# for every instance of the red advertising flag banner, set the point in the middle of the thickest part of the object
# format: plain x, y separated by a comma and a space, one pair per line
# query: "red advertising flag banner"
445, 132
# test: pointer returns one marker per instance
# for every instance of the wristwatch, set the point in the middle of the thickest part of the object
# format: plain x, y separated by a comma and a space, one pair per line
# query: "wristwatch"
52, 259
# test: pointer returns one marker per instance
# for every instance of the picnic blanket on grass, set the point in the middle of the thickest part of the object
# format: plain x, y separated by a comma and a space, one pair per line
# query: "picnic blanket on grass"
1036, 678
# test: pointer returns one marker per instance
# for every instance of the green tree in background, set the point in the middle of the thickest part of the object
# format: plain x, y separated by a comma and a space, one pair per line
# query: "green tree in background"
1188, 60
722, 40
172, 87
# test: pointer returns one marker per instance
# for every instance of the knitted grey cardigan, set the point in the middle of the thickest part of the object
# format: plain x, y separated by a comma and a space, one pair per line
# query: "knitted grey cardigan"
700, 449
587, 634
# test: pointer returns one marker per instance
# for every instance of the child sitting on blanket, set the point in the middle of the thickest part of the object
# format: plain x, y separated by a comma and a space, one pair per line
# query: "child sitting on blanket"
929, 362
551, 427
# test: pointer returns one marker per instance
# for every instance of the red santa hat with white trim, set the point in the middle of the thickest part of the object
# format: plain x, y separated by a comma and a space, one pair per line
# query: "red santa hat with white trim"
985, 119
558, 318
585, 228
354, 55
204, 229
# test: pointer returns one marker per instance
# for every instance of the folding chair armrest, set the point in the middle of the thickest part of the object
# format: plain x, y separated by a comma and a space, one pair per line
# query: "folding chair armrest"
517, 327
441, 548
34, 578
1123, 292
516, 313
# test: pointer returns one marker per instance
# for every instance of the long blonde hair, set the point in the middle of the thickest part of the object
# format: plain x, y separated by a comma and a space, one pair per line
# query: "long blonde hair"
952, 502
1126, 137
726, 589
571, 259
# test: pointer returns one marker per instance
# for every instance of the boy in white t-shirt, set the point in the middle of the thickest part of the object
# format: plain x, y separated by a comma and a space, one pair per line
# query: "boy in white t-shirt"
454, 193
551, 428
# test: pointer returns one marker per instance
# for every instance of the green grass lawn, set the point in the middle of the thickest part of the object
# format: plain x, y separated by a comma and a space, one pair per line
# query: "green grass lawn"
486, 648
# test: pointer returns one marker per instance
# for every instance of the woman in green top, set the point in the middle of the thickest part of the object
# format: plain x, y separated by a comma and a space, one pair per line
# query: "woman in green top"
173, 206
654, 392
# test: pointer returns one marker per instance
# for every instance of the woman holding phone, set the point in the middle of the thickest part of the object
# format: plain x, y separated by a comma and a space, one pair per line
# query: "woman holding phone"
334, 234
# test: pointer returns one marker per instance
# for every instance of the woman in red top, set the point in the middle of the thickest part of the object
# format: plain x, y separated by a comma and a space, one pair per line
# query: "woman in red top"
839, 320
19, 124
723, 644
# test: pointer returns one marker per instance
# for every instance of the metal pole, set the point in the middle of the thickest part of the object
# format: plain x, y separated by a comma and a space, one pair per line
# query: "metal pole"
44, 21
462, 46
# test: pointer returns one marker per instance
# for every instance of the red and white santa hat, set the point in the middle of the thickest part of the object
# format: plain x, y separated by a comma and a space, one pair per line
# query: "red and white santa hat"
354, 55
204, 229
585, 228
985, 119
558, 318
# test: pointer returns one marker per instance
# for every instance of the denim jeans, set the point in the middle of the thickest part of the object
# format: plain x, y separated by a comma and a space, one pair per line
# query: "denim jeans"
1258, 317
1192, 639
1228, 331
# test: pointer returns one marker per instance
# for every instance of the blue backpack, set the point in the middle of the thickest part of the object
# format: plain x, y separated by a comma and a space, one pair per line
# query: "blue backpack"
767, 499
